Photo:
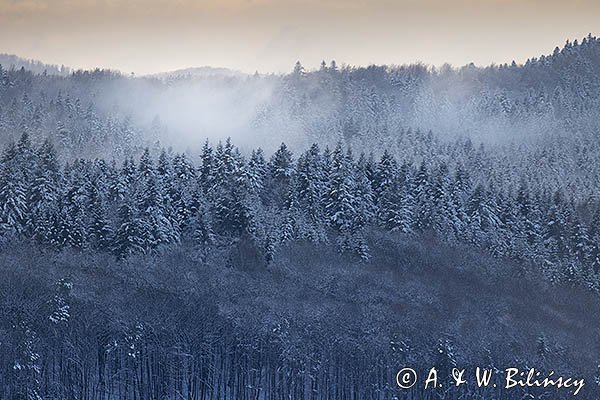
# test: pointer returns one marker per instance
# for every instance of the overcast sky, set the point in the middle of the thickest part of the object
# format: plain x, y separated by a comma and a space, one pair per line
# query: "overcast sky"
147, 36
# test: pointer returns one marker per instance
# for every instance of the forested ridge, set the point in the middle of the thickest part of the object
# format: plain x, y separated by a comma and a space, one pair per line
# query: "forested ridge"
164, 220
297, 236
329, 196
538, 120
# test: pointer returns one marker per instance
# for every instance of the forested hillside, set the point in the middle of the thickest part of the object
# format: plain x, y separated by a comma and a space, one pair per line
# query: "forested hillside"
329, 196
12, 62
293, 236
538, 121
311, 325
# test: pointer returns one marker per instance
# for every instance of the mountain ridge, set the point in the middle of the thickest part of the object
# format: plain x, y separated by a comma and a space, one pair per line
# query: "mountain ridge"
37, 66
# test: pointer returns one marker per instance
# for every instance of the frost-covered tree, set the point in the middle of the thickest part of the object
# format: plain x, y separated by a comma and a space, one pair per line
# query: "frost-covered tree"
13, 191
230, 206
129, 235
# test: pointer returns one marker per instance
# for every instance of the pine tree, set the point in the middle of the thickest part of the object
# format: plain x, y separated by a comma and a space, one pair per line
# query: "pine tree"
229, 196
441, 187
311, 183
146, 165
475, 215
387, 192
281, 168
423, 199
482, 217
72, 226
343, 206
203, 234
129, 236
256, 172
298, 69
255, 177
528, 214
43, 192
13, 190
341, 203
555, 235
157, 228
207, 168
406, 214
100, 230
580, 241
128, 172
178, 200
163, 169
364, 191
117, 184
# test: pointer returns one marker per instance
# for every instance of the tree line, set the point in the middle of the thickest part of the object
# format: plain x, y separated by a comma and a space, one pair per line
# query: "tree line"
322, 196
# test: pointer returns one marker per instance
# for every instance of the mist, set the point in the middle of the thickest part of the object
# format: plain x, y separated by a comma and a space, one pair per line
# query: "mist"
412, 111
372, 106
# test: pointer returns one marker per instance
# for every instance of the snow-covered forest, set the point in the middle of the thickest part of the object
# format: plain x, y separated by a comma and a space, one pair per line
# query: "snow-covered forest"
158, 201
179, 194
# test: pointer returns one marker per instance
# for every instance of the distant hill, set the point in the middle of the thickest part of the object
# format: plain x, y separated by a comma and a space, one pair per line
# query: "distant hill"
196, 72
10, 61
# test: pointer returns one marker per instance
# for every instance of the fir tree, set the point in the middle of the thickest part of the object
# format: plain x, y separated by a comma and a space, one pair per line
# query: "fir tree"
100, 230
282, 170
13, 191
129, 236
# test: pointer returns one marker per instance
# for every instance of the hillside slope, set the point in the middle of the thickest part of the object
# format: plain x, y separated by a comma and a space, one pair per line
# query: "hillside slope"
11, 61
223, 326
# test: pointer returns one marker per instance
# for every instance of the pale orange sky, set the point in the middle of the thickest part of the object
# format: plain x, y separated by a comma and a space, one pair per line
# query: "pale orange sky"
148, 36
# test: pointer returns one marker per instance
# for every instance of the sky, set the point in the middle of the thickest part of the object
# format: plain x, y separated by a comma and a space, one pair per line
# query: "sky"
150, 36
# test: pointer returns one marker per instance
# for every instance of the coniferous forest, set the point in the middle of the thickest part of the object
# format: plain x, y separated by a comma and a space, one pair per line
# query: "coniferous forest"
298, 236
